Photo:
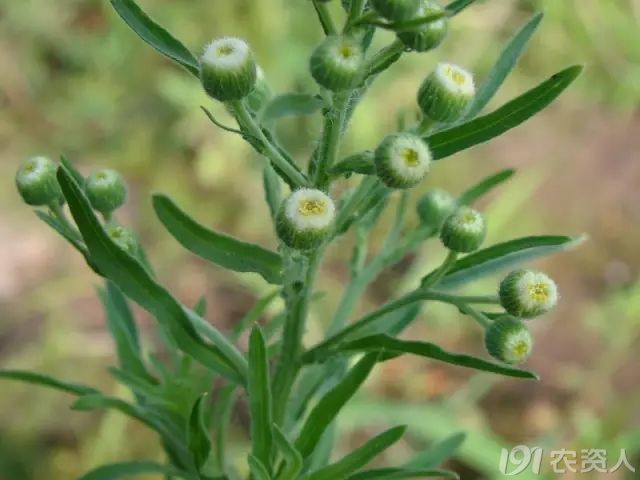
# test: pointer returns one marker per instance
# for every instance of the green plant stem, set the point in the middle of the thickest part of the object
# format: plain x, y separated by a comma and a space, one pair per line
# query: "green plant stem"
425, 126
267, 148
300, 275
325, 18
383, 57
355, 12
473, 313
433, 278
334, 124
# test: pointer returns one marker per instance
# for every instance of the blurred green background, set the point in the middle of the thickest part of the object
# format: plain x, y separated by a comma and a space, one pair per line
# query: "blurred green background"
75, 80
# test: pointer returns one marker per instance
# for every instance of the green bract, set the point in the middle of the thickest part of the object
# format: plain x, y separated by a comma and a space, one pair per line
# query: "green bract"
294, 390
36, 182
106, 190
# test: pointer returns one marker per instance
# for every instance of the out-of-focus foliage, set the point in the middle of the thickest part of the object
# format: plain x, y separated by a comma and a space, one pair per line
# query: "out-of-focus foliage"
74, 79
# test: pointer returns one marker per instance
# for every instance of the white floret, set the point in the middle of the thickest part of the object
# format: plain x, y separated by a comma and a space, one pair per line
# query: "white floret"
304, 219
226, 53
417, 168
529, 284
517, 346
455, 79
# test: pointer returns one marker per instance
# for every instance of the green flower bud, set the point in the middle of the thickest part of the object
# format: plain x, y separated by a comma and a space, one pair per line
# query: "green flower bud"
402, 160
124, 238
507, 339
336, 63
429, 35
261, 94
435, 206
105, 190
37, 183
228, 69
397, 10
446, 93
305, 218
464, 230
527, 293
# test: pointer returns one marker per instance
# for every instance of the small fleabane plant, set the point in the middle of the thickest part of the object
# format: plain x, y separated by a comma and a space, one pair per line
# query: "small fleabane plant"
291, 406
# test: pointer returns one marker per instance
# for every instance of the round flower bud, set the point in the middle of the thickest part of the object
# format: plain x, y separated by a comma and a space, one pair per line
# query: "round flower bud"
397, 10
526, 293
507, 339
446, 93
37, 183
429, 35
435, 206
336, 63
305, 218
228, 69
124, 238
464, 230
261, 94
105, 190
402, 160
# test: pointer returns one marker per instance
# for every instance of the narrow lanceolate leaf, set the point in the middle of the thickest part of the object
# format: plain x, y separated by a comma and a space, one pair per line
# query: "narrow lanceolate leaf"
482, 129
47, 381
134, 281
504, 65
506, 255
218, 248
155, 35
296, 104
397, 473
331, 403
484, 186
258, 470
292, 458
437, 453
392, 347
260, 404
198, 435
72, 169
457, 6
358, 163
359, 457
126, 470
65, 233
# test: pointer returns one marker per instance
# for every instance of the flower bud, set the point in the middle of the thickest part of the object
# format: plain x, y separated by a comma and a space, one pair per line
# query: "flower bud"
402, 160
446, 93
507, 339
305, 218
105, 190
527, 293
37, 183
124, 238
228, 69
336, 63
397, 10
429, 35
261, 93
435, 206
464, 230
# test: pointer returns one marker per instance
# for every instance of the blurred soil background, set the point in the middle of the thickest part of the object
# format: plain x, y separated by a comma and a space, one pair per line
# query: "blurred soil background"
75, 80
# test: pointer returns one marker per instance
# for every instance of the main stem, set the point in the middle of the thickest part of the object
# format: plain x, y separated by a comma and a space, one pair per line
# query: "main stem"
334, 123
300, 276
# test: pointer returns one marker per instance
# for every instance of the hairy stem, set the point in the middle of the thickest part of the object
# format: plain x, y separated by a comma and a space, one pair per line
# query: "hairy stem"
334, 124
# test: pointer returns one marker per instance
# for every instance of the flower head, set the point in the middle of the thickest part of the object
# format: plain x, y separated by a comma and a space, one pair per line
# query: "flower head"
36, 181
527, 293
106, 190
305, 218
397, 10
335, 64
428, 35
446, 92
402, 160
435, 206
508, 340
228, 69
464, 230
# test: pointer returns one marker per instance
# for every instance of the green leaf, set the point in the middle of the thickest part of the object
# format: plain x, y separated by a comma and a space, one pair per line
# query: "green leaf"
200, 308
331, 403
503, 66
155, 35
272, 189
117, 471
506, 255
358, 163
291, 104
292, 459
123, 330
78, 177
482, 129
260, 402
484, 186
359, 457
396, 473
47, 381
438, 453
220, 249
135, 281
198, 436
392, 347
258, 470
456, 7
